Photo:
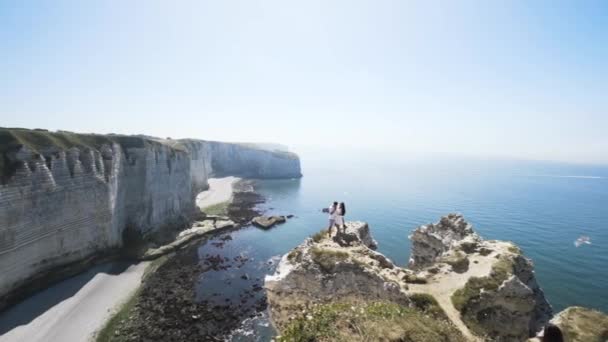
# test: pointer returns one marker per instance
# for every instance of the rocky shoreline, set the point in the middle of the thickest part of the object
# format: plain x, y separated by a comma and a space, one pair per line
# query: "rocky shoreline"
459, 287
168, 307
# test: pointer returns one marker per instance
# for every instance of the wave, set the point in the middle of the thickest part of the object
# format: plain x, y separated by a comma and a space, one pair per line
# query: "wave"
571, 176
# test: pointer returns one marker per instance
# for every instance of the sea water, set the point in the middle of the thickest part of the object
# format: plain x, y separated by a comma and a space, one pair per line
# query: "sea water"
543, 207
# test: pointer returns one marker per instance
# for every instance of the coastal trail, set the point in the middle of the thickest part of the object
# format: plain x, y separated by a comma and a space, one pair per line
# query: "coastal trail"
442, 286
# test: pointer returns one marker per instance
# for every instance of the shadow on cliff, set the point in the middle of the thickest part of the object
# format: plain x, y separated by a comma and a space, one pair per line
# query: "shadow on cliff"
39, 303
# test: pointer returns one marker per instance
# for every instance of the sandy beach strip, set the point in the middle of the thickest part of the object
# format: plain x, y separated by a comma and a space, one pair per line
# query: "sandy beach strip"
220, 191
74, 309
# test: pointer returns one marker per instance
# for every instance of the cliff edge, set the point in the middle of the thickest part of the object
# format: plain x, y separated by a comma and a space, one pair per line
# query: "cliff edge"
66, 197
466, 288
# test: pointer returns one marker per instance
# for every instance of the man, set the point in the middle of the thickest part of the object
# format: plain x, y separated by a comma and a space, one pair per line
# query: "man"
332, 216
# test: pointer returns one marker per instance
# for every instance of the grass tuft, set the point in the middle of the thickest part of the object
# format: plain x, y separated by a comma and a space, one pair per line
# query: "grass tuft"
219, 209
327, 258
322, 234
371, 321
471, 292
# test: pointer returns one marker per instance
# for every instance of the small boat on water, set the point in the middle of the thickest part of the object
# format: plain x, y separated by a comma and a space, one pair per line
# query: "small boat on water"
583, 239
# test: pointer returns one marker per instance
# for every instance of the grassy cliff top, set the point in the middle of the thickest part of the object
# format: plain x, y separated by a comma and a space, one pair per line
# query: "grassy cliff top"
370, 321
43, 141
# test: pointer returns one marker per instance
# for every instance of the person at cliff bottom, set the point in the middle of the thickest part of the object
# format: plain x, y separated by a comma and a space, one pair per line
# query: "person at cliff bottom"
332, 216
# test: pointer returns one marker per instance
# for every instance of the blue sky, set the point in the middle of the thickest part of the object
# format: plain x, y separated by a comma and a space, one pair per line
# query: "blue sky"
520, 79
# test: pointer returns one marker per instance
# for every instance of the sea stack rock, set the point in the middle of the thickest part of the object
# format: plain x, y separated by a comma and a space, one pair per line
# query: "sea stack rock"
500, 298
430, 242
321, 270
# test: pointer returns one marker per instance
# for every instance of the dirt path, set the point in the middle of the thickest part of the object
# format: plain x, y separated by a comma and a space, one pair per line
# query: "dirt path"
442, 286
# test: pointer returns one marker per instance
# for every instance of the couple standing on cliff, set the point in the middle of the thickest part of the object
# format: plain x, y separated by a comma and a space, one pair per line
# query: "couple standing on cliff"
336, 216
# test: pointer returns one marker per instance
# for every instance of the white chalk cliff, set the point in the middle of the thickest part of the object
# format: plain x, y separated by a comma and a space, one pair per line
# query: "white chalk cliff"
65, 197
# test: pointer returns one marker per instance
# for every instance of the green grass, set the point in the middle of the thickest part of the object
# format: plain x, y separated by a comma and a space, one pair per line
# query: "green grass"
294, 255
459, 262
43, 141
126, 309
515, 250
471, 292
581, 324
322, 234
326, 258
106, 333
413, 279
500, 272
371, 321
220, 209
428, 304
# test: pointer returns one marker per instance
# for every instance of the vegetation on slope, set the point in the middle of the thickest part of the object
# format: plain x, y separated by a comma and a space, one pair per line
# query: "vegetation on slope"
471, 292
370, 321
327, 258
581, 324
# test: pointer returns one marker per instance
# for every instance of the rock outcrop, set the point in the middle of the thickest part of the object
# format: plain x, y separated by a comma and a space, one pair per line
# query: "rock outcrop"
65, 197
320, 270
501, 298
430, 242
581, 324
267, 222
484, 288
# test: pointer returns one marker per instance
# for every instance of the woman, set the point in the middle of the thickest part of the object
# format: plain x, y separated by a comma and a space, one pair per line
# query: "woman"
332, 216
340, 212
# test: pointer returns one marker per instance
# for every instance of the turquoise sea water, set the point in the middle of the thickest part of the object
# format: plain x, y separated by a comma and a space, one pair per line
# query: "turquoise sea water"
543, 207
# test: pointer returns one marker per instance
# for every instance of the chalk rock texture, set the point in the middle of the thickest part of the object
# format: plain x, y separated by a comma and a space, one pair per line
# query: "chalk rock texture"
505, 305
65, 197
320, 270
430, 242
267, 222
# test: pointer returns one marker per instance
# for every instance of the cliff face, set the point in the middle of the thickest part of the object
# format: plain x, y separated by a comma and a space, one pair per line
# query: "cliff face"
499, 298
338, 288
484, 289
244, 161
65, 197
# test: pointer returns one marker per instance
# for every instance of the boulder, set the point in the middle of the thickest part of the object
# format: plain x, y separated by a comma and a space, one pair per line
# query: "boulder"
430, 242
267, 222
198, 230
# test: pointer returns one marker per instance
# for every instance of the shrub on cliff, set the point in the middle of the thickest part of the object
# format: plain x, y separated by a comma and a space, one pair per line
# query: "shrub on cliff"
377, 321
466, 297
327, 258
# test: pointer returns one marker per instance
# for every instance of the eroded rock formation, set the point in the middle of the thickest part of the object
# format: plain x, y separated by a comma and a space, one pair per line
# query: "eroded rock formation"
485, 288
65, 197
321, 270
502, 302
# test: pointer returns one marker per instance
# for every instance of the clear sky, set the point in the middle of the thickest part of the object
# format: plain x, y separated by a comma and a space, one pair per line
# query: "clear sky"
523, 79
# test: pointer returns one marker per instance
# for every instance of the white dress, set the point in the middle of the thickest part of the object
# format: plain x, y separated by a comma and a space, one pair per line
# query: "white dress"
339, 217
